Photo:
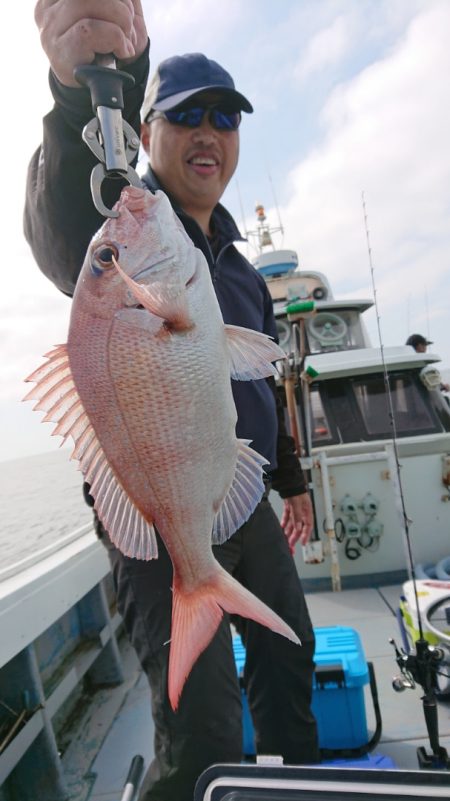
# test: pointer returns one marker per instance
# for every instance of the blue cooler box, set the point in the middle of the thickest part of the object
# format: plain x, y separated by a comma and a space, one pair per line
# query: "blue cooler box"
338, 690
248, 734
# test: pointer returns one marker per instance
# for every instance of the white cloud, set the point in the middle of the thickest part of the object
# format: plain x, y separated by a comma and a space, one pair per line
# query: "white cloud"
326, 48
387, 133
175, 26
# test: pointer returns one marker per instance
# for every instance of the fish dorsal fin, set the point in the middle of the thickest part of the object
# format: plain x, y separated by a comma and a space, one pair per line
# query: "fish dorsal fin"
57, 395
243, 496
251, 353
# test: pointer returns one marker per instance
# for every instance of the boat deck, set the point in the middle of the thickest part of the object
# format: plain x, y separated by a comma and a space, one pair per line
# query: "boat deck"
122, 716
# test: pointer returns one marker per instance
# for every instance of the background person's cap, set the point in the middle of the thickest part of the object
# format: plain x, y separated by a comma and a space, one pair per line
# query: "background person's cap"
417, 339
179, 77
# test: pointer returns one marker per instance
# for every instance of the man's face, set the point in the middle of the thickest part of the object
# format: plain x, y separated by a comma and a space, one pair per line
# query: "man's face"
193, 164
421, 348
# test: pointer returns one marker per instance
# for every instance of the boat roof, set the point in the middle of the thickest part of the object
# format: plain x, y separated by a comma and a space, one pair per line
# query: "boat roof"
360, 361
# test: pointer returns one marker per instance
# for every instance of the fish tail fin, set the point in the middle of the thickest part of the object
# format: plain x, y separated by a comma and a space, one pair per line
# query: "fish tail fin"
196, 617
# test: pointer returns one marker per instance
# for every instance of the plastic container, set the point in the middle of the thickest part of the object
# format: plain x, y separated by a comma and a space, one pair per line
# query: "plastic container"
367, 762
248, 734
338, 690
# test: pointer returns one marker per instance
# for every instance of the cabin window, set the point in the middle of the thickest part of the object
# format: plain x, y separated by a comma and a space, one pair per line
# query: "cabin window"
321, 430
356, 409
411, 415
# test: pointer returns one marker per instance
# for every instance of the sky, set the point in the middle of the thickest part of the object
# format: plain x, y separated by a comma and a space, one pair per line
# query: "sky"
351, 99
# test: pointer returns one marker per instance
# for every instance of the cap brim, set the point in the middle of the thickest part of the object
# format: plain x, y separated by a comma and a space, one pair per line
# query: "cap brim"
176, 100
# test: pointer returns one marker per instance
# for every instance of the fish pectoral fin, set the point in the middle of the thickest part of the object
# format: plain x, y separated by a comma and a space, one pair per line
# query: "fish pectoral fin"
243, 496
57, 395
251, 353
196, 617
164, 299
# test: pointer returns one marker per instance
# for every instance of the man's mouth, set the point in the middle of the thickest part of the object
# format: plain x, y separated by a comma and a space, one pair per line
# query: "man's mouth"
203, 164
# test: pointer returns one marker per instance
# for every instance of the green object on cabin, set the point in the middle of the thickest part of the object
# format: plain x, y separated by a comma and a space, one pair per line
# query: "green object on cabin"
300, 307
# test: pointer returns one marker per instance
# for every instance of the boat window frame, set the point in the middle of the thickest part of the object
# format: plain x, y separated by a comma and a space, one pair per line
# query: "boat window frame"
334, 438
423, 394
349, 400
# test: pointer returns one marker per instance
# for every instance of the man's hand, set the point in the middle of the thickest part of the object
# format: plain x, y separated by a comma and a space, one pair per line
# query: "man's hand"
297, 519
73, 32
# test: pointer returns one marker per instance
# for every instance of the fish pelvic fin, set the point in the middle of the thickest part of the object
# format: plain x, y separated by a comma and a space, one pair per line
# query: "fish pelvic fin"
57, 395
243, 496
196, 617
251, 353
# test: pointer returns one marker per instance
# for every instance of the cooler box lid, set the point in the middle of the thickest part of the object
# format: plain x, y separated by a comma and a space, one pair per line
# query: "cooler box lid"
339, 658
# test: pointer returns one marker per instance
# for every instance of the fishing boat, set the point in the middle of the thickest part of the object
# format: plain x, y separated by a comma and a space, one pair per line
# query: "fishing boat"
372, 430
361, 416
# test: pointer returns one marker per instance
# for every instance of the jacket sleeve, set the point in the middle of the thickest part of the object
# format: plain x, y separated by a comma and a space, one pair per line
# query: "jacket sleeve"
60, 217
288, 478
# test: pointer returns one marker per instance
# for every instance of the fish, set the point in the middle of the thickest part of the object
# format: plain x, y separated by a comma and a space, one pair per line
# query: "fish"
143, 388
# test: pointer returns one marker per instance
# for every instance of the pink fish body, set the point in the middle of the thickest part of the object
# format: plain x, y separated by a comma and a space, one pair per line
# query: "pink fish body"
143, 388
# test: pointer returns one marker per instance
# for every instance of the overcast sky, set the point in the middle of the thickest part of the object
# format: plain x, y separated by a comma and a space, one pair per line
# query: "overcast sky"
350, 96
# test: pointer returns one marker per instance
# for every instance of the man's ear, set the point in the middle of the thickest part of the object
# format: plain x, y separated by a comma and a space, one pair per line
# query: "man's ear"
145, 137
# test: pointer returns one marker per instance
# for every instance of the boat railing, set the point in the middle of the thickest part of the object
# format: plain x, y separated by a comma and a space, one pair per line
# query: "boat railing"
59, 629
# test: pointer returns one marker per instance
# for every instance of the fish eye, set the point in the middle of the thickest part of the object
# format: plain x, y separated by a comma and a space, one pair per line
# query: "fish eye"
102, 258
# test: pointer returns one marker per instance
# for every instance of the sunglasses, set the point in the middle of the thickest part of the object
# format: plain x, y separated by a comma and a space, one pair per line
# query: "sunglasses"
219, 118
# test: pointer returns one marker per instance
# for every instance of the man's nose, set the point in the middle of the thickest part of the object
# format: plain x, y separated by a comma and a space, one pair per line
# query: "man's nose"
205, 130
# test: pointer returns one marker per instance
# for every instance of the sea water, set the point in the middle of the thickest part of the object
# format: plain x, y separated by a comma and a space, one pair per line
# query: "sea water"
41, 501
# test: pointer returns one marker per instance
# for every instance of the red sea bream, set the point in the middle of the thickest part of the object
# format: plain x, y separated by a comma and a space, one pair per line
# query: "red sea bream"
143, 388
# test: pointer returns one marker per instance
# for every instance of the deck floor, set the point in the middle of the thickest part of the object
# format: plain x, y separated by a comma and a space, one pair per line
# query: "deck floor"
371, 612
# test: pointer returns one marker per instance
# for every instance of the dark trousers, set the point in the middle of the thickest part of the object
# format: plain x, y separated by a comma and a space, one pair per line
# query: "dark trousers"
206, 728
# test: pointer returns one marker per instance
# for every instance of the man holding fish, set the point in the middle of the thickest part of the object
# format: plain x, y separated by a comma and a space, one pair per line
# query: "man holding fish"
145, 297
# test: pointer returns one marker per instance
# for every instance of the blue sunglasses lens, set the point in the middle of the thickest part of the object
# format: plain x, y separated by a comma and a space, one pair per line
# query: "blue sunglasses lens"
192, 118
225, 120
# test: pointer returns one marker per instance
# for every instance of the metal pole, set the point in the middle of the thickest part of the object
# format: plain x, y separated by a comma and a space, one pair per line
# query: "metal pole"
133, 779
329, 523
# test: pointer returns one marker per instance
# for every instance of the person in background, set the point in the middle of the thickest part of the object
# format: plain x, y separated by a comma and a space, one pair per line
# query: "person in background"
420, 345
418, 342
191, 115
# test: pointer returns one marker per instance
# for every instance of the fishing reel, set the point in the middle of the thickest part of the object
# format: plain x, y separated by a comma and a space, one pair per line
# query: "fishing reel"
421, 668
417, 668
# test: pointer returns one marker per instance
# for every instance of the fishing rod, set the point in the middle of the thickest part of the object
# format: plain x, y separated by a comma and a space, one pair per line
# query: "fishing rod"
423, 665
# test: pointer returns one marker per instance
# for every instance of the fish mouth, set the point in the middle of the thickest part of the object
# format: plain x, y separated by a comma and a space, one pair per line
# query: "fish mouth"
149, 271
154, 267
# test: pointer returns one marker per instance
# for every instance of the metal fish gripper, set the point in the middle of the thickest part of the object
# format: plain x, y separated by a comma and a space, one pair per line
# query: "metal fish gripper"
110, 138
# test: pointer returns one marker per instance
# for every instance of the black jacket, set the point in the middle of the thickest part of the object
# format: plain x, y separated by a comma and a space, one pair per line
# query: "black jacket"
60, 219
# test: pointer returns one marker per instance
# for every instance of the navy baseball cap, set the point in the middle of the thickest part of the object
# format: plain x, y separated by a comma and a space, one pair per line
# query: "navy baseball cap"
417, 339
179, 77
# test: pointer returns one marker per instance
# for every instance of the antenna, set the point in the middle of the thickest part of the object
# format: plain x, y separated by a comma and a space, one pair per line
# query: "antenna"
408, 314
276, 203
425, 292
241, 207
